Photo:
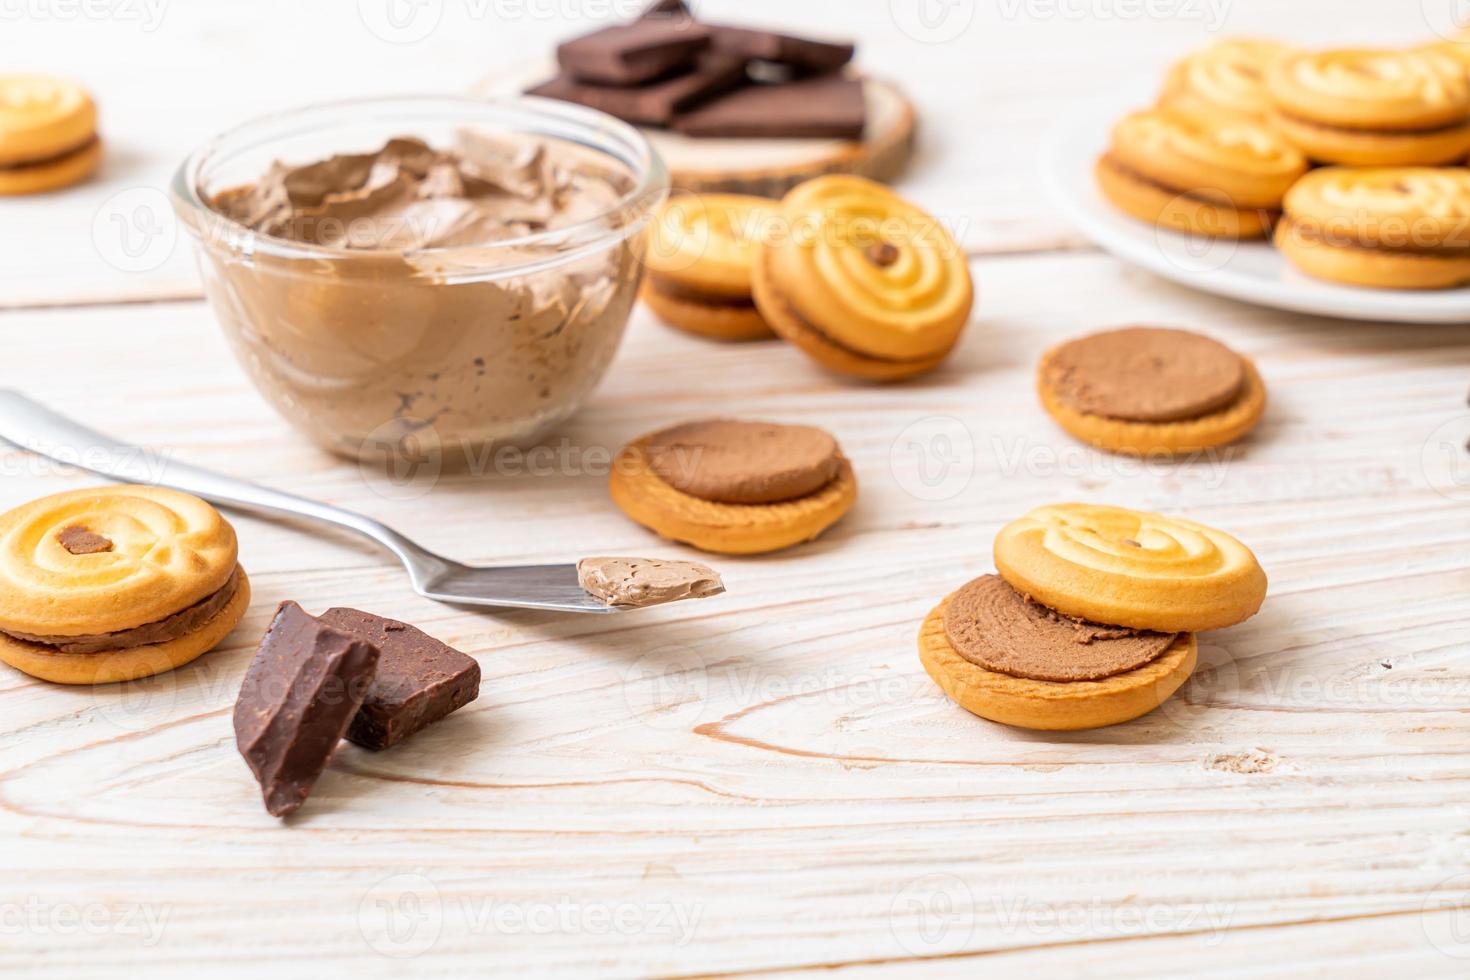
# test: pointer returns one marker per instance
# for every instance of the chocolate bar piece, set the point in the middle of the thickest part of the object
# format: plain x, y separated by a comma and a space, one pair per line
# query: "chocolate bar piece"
654, 104
801, 55
667, 9
418, 682
632, 54
828, 107
300, 693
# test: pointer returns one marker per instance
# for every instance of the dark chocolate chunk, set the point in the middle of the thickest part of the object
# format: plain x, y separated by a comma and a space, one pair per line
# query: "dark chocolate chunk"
654, 104
632, 54
419, 680
801, 55
300, 693
828, 106
80, 541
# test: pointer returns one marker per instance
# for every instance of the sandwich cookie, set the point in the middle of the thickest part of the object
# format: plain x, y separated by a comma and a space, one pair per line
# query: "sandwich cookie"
1220, 176
700, 252
1091, 620
1389, 228
1228, 76
734, 487
115, 583
863, 282
1373, 108
1148, 391
48, 134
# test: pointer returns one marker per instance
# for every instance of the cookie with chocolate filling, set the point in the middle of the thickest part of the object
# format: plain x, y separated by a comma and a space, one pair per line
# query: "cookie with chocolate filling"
1091, 619
116, 583
1370, 107
1002, 656
1151, 391
734, 487
1380, 227
1216, 176
863, 282
48, 134
700, 251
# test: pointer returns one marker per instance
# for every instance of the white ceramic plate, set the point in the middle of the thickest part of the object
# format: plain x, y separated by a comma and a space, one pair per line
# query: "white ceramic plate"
1252, 272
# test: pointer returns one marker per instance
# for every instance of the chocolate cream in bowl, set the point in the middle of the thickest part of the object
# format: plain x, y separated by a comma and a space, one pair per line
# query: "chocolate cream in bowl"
417, 322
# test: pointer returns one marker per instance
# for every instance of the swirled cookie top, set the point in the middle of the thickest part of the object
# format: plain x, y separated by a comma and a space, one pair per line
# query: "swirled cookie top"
1405, 207
874, 272
1371, 88
1130, 568
1229, 74
710, 240
40, 115
109, 559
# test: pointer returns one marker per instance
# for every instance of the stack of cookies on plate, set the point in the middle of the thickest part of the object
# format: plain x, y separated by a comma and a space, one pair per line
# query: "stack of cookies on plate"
1352, 160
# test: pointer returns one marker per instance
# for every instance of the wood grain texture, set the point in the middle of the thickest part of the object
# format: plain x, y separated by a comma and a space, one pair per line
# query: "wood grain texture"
767, 781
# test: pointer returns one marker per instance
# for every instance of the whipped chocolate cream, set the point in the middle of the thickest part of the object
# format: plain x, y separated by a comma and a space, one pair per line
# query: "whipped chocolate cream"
182, 623
403, 341
993, 626
410, 196
733, 462
646, 581
1145, 374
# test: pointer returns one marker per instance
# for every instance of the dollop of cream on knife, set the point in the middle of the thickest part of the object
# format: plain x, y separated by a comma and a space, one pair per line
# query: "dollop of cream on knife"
647, 581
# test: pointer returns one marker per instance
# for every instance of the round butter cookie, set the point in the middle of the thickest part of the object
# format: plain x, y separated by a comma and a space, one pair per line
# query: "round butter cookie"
862, 281
1149, 391
1130, 568
700, 251
115, 583
1219, 176
1228, 76
734, 487
1387, 228
48, 134
1369, 107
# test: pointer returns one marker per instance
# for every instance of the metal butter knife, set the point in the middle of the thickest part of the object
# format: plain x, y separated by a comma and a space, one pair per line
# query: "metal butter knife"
35, 428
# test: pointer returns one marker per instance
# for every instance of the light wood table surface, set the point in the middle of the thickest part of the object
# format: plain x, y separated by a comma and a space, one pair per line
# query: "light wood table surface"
766, 782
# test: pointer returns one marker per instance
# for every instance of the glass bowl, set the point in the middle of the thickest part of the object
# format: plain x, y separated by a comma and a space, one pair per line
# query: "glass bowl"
436, 352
